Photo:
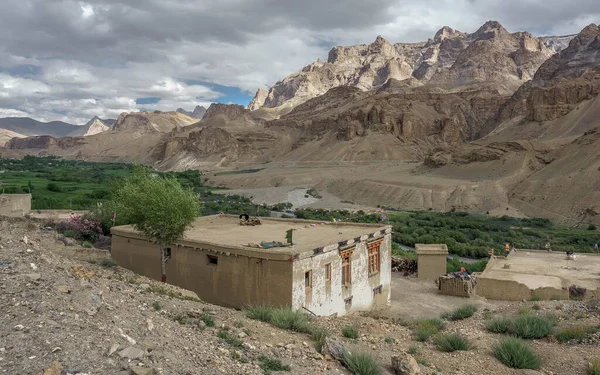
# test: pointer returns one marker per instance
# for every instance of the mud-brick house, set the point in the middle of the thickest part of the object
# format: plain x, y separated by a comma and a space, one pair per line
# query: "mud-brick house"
330, 269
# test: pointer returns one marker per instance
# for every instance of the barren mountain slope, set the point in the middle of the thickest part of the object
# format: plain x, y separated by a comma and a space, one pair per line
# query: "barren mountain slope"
6, 135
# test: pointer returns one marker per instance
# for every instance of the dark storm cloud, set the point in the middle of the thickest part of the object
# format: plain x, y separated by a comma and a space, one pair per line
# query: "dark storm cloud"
71, 59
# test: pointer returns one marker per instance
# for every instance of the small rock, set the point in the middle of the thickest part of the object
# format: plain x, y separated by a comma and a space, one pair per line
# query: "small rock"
57, 349
96, 303
25, 240
33, 266
131, 352
19, 327
144, 286
405, 364
150, 325
242, 335
34, 276
129, 339
143, 371
113, 348
249, 346
63, 289
55, 369
29, 251
290, 346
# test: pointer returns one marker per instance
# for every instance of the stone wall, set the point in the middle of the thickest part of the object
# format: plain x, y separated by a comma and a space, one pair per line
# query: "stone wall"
15, 204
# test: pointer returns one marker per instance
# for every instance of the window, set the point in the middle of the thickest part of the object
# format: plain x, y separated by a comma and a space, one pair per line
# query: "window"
212, 260
346, 267
308, 279
374, 256
328, 272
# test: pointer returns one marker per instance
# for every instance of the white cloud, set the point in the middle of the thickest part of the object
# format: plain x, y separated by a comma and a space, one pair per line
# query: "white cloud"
71, 59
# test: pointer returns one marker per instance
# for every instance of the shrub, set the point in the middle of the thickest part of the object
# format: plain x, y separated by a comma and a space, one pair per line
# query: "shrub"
319, 334
156, 305
350, 332
388, 340
224, 335
535, 298
69, 233
515, 353
361, 363
108, 263
238, 324
460, 313
424, 329
594, 367
269, 364
576, 332
532, 326
500, 325
536, 307
452, 342
103, 242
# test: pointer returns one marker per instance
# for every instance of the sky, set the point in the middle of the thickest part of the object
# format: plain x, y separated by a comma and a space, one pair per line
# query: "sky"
72, 60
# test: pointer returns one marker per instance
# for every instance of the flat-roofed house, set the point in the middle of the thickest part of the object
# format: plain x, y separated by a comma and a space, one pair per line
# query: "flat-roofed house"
331, 268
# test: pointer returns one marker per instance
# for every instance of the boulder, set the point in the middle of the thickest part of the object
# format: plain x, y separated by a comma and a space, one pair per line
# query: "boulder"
405, 364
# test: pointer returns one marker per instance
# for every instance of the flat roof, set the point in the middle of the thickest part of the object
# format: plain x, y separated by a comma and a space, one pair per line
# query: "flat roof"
226, 232
538, 269
431, 249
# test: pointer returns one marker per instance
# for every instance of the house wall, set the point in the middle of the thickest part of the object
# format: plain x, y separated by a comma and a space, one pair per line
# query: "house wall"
15, 204
430, 267
510, 290
328, 298
236, 281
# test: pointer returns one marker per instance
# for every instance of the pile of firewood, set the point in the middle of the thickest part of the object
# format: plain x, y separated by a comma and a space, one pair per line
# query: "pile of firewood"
406, 266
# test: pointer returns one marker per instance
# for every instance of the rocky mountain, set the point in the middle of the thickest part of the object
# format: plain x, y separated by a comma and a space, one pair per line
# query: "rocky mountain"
96, 126
30, 127
198, 112
451, 59
157, 121
7, 135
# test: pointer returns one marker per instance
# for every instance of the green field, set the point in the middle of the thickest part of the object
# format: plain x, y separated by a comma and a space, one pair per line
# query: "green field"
80, 185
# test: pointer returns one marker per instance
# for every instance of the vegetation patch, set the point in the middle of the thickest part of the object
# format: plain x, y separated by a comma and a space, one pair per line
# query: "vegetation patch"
452, 342
499, 325
532, 326
361, 363
226, 336
575, 333
515, 353
271, 364
413, 350
460, 313
350, 332
594, 367
424, 329
108, 263
319, 334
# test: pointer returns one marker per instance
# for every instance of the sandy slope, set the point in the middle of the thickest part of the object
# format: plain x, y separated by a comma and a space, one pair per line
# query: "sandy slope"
6, 135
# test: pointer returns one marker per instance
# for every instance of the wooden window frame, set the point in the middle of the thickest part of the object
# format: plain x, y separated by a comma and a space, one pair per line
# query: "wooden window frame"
328, 272
309, 279
346, 267
374, 252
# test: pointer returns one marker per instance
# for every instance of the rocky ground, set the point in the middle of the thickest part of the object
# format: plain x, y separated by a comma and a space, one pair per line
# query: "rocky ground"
67, 310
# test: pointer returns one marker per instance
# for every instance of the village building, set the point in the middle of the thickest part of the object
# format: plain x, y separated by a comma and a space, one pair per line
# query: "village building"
331, 268
431, 260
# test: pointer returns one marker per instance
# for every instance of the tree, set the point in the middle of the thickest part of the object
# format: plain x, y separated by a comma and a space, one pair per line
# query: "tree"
159, 207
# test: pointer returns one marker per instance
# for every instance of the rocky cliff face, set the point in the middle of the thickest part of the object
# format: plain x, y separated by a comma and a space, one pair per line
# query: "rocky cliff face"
452, 58
227, 110
150, 122
197, 113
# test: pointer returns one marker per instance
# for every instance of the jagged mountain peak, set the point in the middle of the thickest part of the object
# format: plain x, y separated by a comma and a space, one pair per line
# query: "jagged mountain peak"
490, 30
446, 32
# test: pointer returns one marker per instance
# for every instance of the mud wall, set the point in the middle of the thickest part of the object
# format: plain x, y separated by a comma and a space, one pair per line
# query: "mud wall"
234, 281
510, 290
15, 204
430, 267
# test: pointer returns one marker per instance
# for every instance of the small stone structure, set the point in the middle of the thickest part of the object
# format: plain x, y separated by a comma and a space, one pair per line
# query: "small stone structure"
431, 261
331, 268
455, 286
524, 274
15, 204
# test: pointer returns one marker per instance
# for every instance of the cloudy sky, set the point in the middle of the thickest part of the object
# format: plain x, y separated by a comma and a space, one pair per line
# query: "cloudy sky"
71, 60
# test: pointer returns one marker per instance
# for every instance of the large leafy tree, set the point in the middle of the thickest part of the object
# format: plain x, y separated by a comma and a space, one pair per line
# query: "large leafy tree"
159, 207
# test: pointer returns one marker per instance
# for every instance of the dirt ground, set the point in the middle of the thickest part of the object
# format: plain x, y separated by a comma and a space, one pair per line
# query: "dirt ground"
67, 304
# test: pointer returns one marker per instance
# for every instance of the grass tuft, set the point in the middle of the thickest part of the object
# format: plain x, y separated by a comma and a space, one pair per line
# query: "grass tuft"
227, 337
424, 329
499, 325
575, 332
270, 364
594, 367
452, 342
361, 363
107, 263
515, 353
536, 307
413, 350
260, 312
156, 305
535, 298
208, 320
460, 313
319, 334
388, 340
532, 326
350, 332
